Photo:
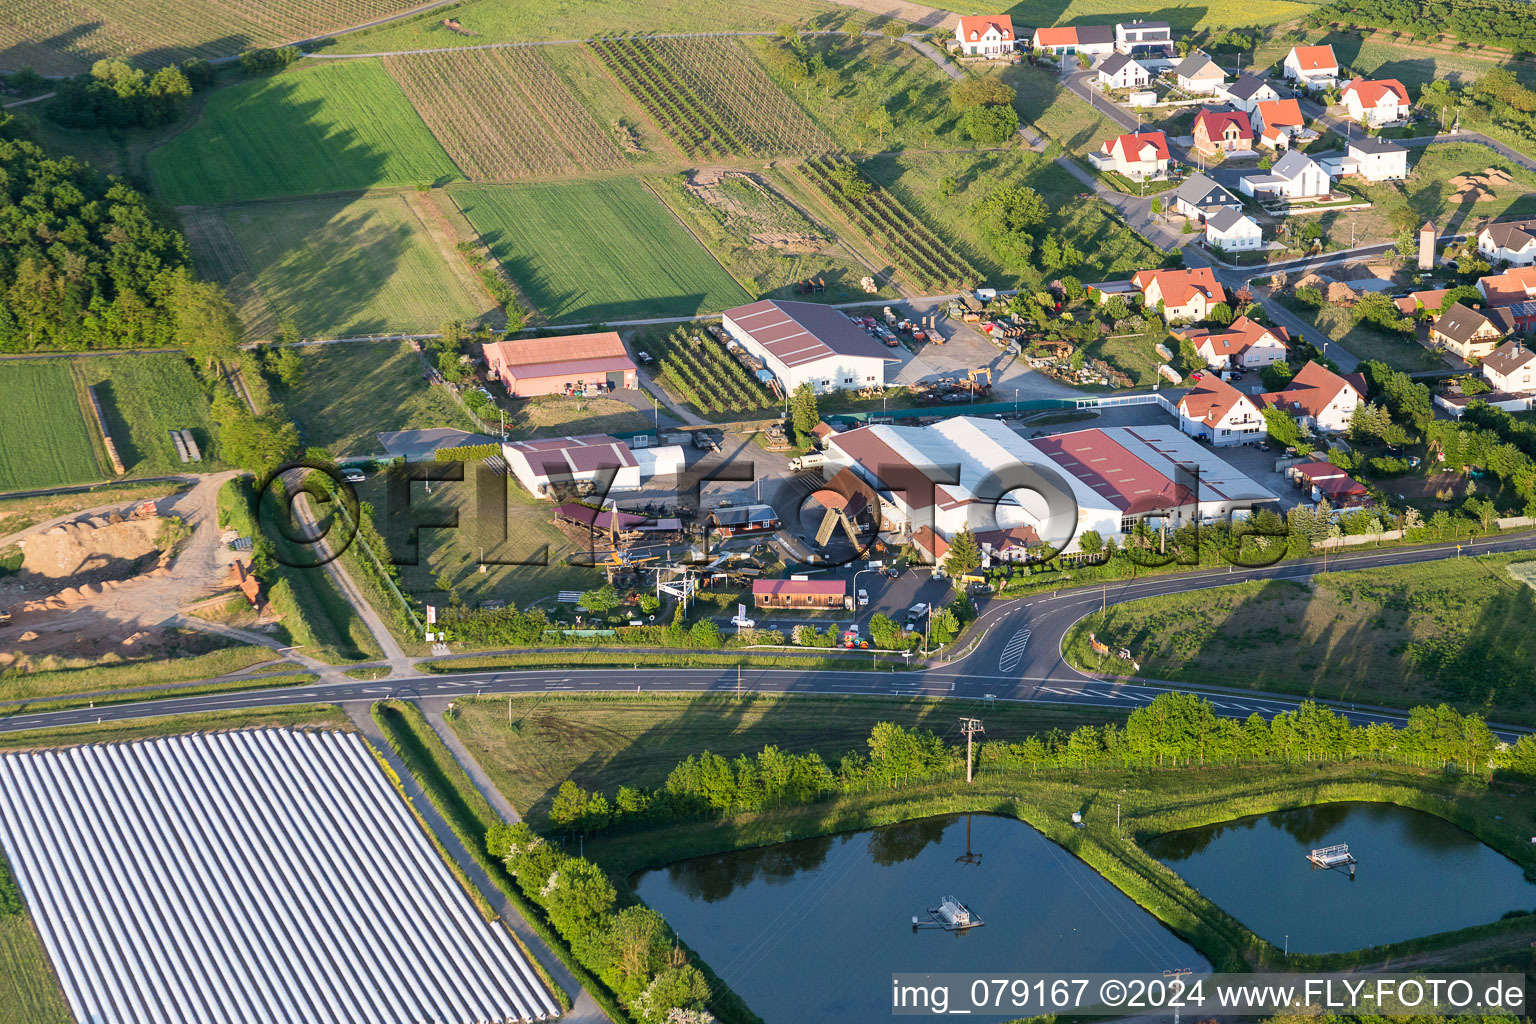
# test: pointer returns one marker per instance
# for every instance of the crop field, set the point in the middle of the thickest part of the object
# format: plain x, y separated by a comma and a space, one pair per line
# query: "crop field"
698, 369
1181, 16
496, 21
711, 97
504, 114
143, 397
597, 250
340, 267
335, 126
67, 38
896, 232
352, 391
47, 438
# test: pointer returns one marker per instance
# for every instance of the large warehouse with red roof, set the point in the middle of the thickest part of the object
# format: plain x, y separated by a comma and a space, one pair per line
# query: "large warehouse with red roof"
807, 343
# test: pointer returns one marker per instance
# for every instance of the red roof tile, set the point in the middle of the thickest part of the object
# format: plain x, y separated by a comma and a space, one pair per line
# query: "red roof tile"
801, 588
1215, 123
1210, 400
1317, 58
973, 28
1131, 146
1371, 91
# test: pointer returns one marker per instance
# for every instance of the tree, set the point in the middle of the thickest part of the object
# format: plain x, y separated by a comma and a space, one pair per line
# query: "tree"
579, 895
1221, 314
1284, 430
704, 633
207, 324
258, 443
1157, 205
602, 600
990, 125
880, 122
803, 412
1277, 375
676, 988
980, 91
1090, 542
1009, 216
568, 806
964, 552
884, 633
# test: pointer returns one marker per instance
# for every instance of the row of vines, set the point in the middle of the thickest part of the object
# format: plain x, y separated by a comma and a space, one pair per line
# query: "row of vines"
896, 232
699, 370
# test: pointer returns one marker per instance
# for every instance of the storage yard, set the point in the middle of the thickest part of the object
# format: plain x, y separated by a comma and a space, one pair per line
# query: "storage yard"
261, 876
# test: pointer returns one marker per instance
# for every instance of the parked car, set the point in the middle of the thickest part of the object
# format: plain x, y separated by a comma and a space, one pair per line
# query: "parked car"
918, 610
353, 475
892, 573
742, 622
863, 598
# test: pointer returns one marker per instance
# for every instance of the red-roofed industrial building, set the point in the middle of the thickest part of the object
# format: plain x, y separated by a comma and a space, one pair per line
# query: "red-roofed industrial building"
807, 343
573, 364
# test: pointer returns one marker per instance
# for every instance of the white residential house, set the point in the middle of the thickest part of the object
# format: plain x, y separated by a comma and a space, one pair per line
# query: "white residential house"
1245, 345
1512, 242
1197, 73
1511, 368
1312, 67
1198, 197
1294, 176
986, 35
1247, 92
1185, 294
1278, 123
1220, 413
1234, 231
1368, 157
1319, 398
1121, 72
1138, 157
1150, 39
1379, 101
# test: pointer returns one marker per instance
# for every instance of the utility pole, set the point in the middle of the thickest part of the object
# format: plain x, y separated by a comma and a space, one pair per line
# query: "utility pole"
969, 726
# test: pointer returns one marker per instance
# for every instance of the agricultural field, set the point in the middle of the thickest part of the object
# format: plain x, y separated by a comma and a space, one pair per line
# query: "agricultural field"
504, 114
145, 396
900, 236
558, 416
698, 370
711, 97
67, 38
1413, 64
920, 181
341, 267
28, 984
593, 251
868, 73
351, 391
48, 441
766, 242
331, 126
498, 21
1183, 17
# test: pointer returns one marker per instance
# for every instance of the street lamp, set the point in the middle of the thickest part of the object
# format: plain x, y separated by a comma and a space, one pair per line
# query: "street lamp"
856, 576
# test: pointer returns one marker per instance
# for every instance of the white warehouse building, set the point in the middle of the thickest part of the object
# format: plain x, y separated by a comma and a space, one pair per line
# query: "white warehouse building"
807, 343
1112, 476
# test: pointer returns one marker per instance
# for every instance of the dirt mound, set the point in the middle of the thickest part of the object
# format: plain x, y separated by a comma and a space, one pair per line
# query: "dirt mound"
94, 550
1341, 294
1312, 281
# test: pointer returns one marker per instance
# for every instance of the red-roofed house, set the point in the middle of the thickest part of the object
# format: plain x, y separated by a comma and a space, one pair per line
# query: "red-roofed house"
1413, 303
1217, 411
1314, 67
1510, 288
986, 35
1243, 346
1379, 101
816, 593
1138, 156
1513, 242
1222, 131
1185, 294
1094, 40
1320, 398
551, 366
1278, 122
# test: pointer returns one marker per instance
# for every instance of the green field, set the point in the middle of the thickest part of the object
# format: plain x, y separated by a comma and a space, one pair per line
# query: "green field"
145, 396
1455, 631
1183, 16
595, 251
47, 439
322, 127
495, 21
352, 391
340, 267
27, 982
603, 742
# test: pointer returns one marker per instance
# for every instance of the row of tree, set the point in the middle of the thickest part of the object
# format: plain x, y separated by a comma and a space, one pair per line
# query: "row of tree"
630, 949
1175, 730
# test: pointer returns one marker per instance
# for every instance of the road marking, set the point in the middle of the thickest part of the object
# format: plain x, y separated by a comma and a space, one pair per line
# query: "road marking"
1013, 652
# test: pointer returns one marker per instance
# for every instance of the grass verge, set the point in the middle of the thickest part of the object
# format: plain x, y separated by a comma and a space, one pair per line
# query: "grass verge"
28, 984
124, 675
660, 659
34, 707
292, 716
470, 816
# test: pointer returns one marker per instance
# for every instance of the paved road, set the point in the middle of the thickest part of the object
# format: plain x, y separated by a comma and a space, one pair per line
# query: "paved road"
1008, 663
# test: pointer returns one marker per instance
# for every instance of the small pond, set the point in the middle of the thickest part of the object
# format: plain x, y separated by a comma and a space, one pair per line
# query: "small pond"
812, 930
1416, 875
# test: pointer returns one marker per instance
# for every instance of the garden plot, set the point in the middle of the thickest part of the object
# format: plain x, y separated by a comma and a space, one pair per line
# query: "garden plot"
261, 877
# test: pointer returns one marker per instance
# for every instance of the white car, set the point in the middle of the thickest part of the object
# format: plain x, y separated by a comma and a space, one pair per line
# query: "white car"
918, 610
741, 622
353, 475
863, 598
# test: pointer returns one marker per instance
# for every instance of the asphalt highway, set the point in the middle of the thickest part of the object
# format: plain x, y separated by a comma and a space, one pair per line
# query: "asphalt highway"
1018, 658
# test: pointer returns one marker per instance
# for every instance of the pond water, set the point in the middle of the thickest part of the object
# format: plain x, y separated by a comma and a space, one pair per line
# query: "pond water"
812, 930
1416, 875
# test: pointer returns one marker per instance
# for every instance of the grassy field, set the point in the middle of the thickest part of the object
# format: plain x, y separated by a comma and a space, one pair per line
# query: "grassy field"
1413, 65
1060, 114
1109, 245
352, 391
48, 441
1365, 341
143, 397
65, 39
602, 742
179, 666
321, 127
494, 21
524, 121
1183, 17
341, 267
1456, 631
558, 416
597, 250
28, 984
293, 716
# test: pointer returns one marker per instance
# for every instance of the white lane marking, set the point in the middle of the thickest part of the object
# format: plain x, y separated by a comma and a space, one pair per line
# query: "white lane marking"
1013, 652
